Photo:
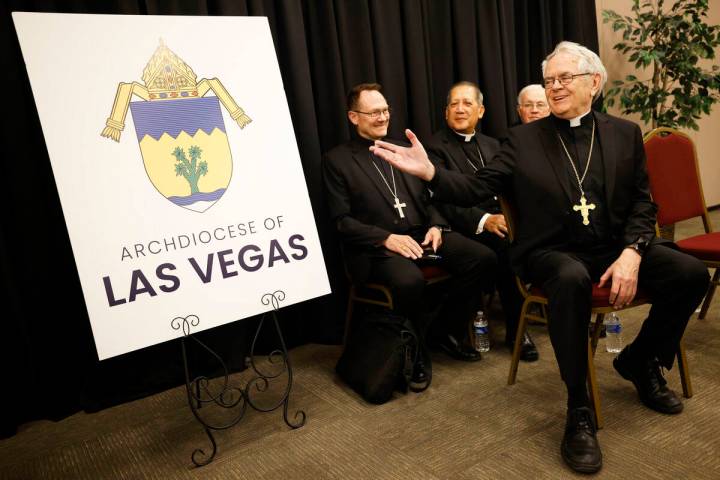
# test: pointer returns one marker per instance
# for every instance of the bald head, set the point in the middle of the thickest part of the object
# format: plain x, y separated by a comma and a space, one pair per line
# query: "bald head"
532, 103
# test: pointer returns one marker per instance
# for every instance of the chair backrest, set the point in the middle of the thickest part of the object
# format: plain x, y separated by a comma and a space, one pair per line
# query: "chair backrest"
674, 176
507, 207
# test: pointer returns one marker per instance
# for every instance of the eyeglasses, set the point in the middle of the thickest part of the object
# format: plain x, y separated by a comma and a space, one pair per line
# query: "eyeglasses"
531, 105
375, 114
564, 79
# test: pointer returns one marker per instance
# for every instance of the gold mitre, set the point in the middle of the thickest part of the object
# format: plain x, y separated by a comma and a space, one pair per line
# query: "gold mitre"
167, 77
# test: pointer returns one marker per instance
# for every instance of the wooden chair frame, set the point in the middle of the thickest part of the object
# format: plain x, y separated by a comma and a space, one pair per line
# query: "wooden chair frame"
599, 313
375, 294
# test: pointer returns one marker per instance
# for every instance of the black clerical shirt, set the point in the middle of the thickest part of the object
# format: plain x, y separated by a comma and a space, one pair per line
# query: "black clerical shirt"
473, 157
414, 220
577, 139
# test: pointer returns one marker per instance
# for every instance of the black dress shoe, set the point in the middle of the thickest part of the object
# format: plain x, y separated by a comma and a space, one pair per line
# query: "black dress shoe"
528, 351
580, 448
457, 350
421, 375
649, 382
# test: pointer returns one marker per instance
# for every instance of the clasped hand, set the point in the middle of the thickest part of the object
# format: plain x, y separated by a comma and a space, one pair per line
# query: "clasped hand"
496, 224
406, 246
624, 275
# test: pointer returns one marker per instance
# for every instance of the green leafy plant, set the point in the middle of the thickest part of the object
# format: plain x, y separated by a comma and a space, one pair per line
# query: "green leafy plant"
671, 41
191, 170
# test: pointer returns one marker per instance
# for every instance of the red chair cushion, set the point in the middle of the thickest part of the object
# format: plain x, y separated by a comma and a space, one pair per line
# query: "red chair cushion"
600, 296
704, 247
431, 272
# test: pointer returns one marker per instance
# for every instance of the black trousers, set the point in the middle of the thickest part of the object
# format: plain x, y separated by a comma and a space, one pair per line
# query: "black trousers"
675, 282
472, 272
505, 282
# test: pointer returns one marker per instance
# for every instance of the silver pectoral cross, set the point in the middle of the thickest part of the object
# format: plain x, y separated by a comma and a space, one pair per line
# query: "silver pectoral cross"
399, 206
584, 209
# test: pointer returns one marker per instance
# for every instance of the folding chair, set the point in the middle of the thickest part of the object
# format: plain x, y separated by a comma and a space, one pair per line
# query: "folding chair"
677, 190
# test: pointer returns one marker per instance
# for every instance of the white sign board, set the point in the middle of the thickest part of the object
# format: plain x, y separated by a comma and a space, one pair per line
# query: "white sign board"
175, 158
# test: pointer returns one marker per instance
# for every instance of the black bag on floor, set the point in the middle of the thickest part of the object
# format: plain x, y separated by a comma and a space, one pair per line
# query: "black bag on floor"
379, 356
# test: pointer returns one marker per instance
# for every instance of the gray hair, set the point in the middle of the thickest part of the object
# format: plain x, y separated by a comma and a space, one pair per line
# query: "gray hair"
588, 61
532, 86
464, 83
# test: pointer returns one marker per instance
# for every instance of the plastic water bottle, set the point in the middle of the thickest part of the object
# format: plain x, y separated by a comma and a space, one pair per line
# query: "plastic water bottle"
613, 327
481, 342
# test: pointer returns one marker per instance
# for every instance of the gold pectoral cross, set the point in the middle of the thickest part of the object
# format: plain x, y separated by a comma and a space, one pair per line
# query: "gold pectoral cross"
584, 209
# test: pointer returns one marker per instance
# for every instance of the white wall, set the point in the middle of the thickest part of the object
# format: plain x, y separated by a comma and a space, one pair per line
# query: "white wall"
707, 139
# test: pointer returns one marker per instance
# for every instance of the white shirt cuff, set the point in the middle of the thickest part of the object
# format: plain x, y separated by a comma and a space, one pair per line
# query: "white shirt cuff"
481, 225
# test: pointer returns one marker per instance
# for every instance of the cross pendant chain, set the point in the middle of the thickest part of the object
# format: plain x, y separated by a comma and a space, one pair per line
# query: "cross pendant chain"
584, 209
393, 190
471, 163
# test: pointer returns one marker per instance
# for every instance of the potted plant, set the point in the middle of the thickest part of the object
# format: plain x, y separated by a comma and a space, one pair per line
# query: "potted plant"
671, 41
668, 45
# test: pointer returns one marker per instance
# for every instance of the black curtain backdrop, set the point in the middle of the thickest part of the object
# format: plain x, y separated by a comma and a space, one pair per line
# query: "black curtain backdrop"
415, 48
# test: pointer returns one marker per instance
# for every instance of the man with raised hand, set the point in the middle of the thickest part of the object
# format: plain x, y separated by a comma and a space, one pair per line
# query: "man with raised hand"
579, 182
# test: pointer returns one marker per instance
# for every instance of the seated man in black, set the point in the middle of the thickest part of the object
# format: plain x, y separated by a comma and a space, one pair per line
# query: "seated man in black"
385, 220
460, 148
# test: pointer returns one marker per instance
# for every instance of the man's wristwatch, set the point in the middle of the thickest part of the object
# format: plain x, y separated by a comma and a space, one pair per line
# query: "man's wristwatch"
639, 246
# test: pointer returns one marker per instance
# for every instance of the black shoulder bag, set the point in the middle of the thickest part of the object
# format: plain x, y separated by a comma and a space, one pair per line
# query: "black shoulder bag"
379, 356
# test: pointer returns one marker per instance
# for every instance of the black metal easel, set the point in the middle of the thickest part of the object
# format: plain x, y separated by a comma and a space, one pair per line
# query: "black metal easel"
199, 391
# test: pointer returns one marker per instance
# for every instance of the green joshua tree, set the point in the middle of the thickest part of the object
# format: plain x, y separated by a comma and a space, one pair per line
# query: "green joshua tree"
191, 169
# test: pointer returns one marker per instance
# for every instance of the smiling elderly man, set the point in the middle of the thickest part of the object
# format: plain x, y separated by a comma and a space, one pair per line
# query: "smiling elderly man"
579, 182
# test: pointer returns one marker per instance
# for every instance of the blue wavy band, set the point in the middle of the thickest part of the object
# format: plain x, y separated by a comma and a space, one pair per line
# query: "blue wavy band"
174, 116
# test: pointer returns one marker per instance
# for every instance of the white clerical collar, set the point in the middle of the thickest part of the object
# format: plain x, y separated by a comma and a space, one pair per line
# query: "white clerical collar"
575, 122
466, 136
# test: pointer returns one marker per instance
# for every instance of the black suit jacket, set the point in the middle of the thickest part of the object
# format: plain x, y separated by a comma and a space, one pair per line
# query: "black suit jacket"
446, 152
361, 207
530, 171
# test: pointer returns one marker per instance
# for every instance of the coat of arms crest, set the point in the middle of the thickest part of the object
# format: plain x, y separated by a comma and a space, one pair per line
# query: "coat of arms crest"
180, 131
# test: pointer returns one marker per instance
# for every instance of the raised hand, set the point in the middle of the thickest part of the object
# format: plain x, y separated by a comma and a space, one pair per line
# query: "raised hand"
412, 160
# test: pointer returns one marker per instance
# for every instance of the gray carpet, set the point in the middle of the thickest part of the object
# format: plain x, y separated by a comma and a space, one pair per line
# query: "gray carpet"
468, 425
